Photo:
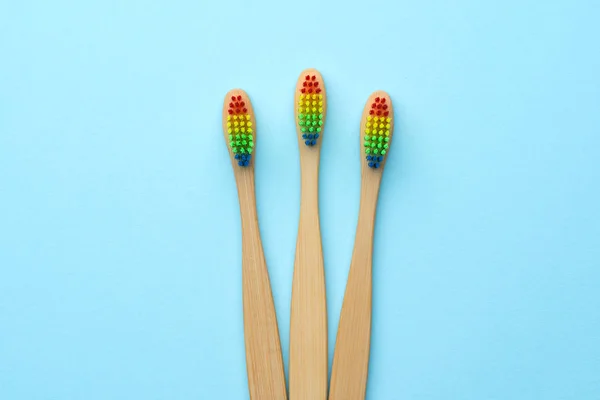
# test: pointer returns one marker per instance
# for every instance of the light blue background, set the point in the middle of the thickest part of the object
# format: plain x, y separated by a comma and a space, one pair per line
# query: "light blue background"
120, 244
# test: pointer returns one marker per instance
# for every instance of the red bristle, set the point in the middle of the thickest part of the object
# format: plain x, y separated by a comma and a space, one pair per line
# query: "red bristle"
385, 106
373, 105
309, 90
237, 104
377, 99
314, 77
386, 113
304, 84
316, 84
303, 90
237, 110
231, 105
318, 90
239, 98
245, 109
242, 104
383, 100
371, 112
379, 105
378, 112
309, 84
230, 111
307, 77
233, 98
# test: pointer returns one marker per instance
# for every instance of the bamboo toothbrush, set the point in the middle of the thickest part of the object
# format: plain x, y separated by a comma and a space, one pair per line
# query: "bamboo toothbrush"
308, 321
351, 355
264, 363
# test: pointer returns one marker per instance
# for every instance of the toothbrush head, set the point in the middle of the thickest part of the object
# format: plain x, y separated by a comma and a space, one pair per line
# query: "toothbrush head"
239, 127
377, 126
311, 107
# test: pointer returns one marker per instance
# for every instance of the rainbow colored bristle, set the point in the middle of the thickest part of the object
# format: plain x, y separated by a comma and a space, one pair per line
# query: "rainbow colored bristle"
310, 110
378, 130
240, 130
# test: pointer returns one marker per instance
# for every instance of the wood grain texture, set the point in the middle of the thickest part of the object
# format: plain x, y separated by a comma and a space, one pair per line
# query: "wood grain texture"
351, 355
308, 323
264, 362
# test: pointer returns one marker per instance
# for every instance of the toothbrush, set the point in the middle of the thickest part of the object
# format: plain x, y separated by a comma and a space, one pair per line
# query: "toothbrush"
308, 321
264, 362
351, 355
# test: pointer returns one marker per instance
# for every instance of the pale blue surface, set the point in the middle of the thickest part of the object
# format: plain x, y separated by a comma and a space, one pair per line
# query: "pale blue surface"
119, 224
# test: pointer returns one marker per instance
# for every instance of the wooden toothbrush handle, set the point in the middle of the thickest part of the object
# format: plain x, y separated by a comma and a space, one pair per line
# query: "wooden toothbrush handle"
351, 355
264, 362
308, 321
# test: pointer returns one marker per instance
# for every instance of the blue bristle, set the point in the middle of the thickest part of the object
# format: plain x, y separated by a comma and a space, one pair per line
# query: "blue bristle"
376, 165
316, 135
368, 158
313, 142
241, 163
307, 142
304, 136
237, 156
310, 136
371, 164
380, 158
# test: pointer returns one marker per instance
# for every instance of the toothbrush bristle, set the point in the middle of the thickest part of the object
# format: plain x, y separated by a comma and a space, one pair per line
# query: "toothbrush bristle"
378, 131
310, 110
240, 131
